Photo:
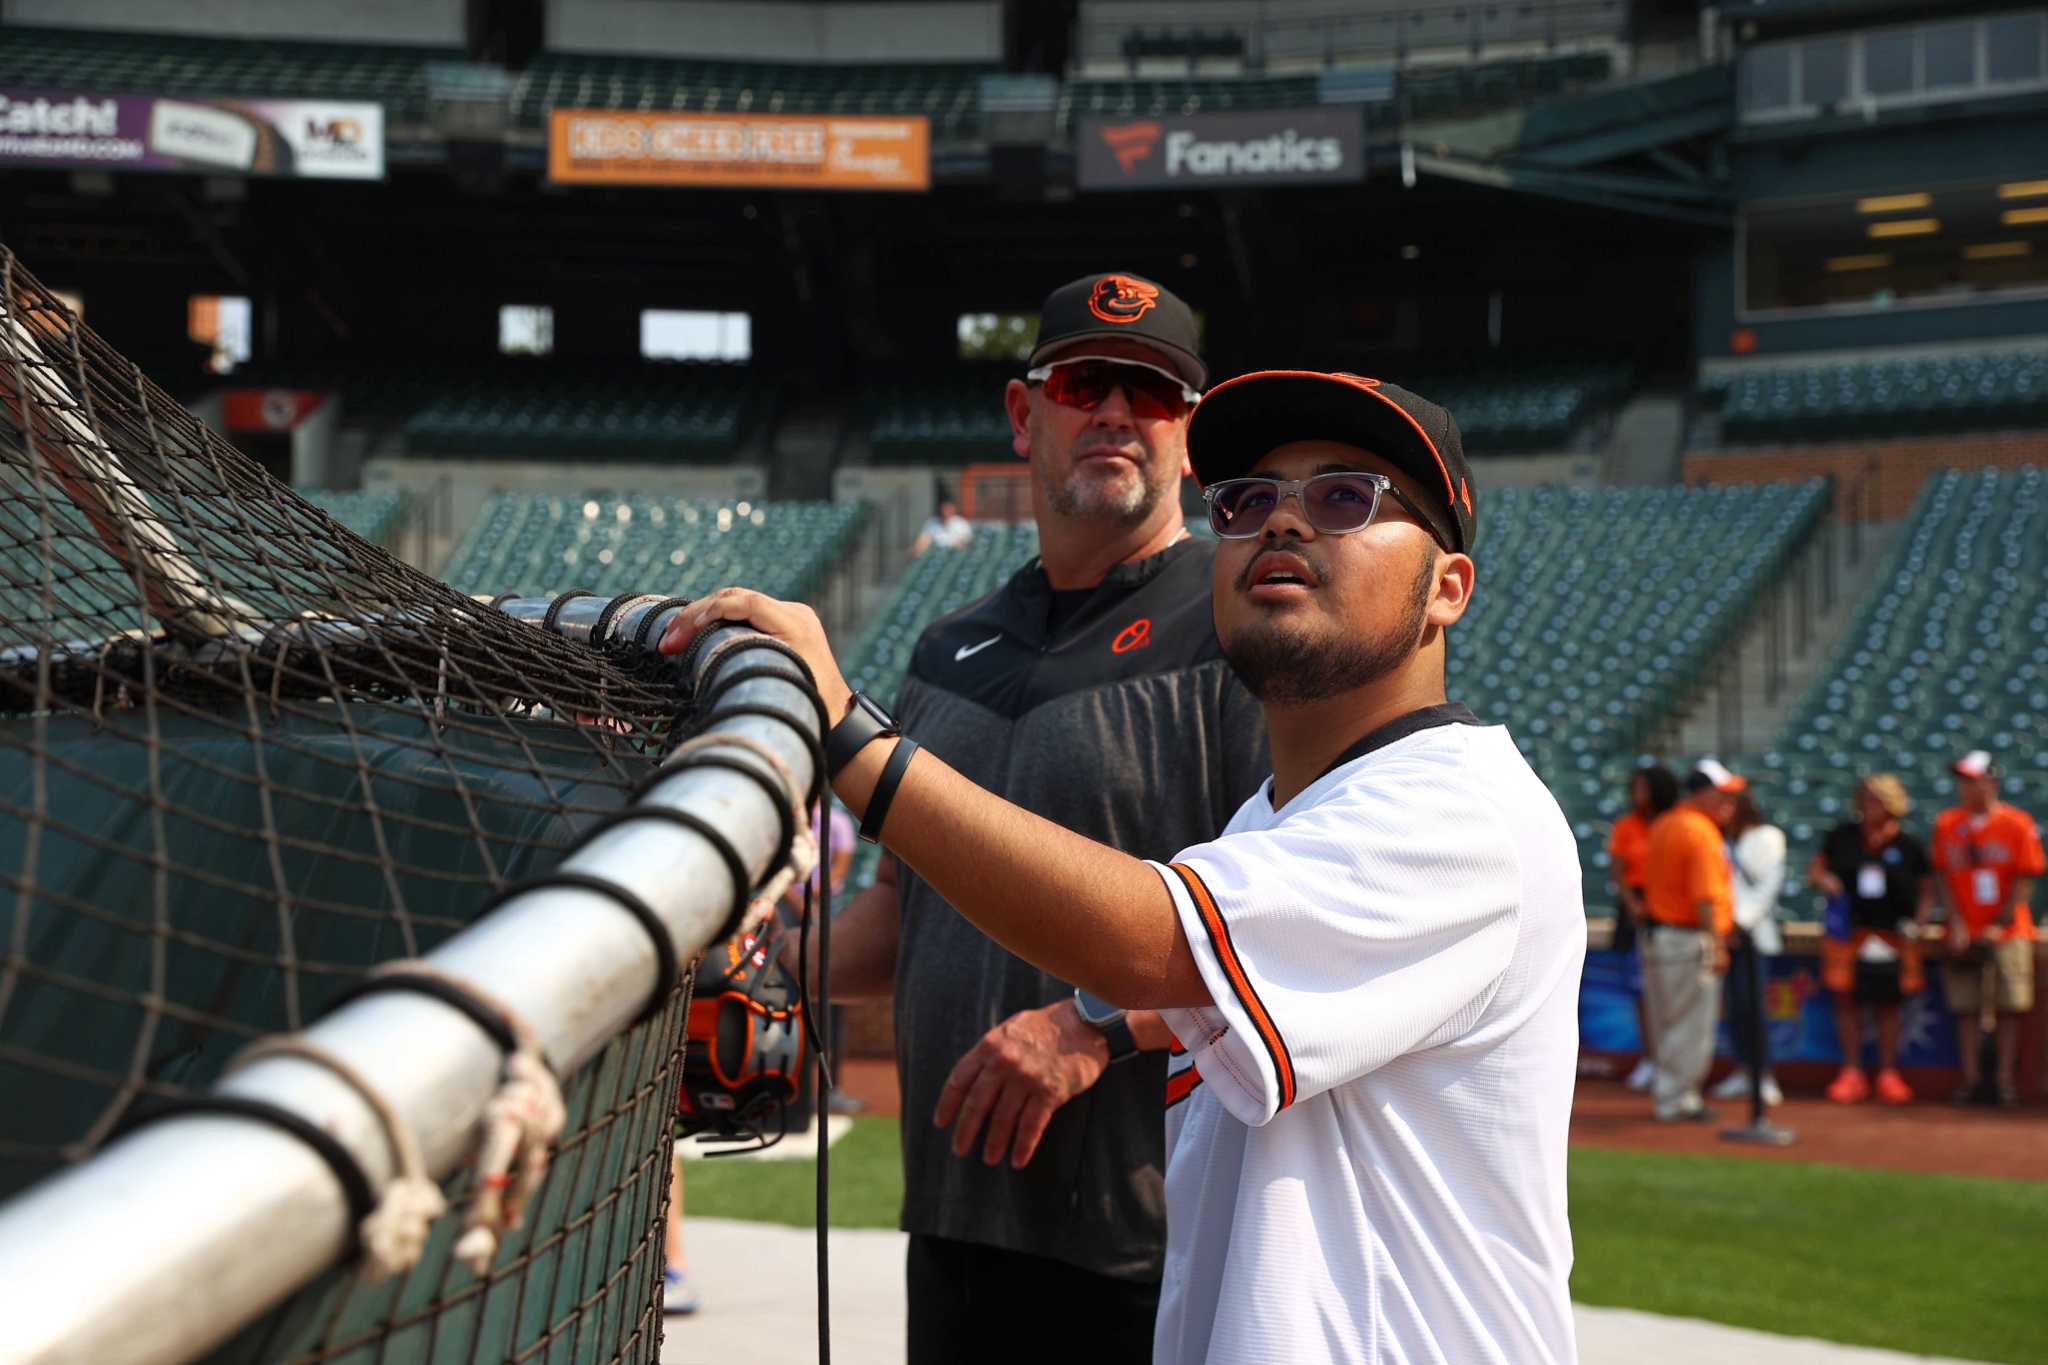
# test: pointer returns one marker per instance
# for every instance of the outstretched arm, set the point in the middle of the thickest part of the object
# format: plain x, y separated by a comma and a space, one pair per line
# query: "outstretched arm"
1072, 907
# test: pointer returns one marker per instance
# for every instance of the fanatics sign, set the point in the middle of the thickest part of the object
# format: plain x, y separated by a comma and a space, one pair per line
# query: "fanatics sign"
1284, 147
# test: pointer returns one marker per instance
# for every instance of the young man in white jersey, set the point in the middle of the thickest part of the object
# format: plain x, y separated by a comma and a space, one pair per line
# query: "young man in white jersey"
1374, 970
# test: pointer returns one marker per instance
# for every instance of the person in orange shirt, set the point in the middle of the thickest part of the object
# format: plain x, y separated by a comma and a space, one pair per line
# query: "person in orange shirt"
1987, 854
1652, 790
1688, 894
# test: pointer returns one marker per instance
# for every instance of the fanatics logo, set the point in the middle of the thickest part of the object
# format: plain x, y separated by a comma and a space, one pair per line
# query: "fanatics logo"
1136, 635
1131, 143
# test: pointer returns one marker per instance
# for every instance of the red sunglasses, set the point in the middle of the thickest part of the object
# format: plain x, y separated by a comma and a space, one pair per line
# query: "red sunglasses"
1086, 383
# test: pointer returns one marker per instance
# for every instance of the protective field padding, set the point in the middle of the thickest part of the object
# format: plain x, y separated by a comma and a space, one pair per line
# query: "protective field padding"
246, 755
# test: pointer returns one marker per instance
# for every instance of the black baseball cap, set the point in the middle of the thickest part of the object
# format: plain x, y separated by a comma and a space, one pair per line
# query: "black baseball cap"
1241, 419
1120, 304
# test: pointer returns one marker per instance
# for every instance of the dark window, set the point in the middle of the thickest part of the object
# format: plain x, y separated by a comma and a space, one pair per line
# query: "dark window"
1949, 52
2012, 47
1767, 79
1824, 78
1888, 64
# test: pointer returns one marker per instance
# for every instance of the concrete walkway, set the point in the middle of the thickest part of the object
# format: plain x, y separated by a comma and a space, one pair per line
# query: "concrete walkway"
760, 1306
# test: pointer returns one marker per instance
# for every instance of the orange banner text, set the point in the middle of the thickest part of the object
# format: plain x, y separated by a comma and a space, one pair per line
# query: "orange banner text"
603, 147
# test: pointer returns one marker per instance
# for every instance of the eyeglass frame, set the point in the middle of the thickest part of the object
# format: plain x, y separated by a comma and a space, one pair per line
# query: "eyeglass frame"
1039, 374
1296, 488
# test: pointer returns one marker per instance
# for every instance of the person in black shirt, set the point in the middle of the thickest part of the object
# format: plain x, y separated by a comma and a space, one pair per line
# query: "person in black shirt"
1091, 690
1879, 883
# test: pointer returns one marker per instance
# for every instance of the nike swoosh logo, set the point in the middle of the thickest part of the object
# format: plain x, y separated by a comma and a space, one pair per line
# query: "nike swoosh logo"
966, 652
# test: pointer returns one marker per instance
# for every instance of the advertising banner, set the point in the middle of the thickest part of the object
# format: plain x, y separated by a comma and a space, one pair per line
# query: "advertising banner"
1799, 1015
823, 151
1277, 147
306, 139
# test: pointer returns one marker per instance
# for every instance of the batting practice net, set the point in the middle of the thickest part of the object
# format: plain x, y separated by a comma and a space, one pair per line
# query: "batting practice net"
245, 758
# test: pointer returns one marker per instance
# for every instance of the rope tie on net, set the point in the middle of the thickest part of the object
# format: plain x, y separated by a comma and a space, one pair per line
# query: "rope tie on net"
521, 1121
394, 1232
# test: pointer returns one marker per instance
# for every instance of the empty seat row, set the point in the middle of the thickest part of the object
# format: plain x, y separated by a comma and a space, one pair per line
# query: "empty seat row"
1886, 396
534, 544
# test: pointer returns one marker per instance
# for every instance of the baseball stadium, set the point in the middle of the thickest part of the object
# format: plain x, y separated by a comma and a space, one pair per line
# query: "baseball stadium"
984, 680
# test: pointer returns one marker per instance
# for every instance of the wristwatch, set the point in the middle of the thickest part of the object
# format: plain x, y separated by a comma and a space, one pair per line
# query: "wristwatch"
865, 721
1107, 1020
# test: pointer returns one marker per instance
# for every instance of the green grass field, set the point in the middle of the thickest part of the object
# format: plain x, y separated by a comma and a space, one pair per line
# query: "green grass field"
1933, 1264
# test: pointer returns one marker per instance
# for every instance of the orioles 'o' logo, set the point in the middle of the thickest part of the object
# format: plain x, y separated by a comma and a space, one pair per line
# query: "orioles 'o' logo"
1136, 635
1121, 299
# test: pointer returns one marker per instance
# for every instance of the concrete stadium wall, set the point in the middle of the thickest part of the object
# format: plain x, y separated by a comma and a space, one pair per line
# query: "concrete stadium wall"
967, 31
1896, 468
427, 22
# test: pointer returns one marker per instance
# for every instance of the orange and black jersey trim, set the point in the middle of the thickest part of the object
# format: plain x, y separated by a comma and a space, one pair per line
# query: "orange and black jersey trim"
1218, 930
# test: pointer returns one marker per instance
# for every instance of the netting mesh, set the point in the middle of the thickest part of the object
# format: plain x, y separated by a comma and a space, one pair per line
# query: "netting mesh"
246, 755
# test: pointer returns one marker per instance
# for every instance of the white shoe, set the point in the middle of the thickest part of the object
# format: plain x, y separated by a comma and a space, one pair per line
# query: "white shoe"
1644, 1076
1736, 1087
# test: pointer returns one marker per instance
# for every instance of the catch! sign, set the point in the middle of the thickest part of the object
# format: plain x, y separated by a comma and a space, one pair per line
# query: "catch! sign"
305, 139
824, 151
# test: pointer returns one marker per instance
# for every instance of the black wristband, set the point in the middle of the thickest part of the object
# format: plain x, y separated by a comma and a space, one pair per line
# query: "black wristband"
885, 790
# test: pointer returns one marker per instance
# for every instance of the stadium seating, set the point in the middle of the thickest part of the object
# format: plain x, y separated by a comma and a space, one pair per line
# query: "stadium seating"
1582, 643
611, 543
1890, 396
1526, 409
951, 419
936, 582
1662, 586
658, 411
946, 94
1142, 98
1442, 91
376, 517
167, 64
1948, 653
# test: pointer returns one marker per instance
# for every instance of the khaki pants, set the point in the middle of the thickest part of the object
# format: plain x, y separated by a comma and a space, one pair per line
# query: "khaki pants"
2015, 970
1683, 992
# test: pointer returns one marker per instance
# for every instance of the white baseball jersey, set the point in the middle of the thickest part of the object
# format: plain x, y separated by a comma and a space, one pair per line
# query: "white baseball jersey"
1366, 1131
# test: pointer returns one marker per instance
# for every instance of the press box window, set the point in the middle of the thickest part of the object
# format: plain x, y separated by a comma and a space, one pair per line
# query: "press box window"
1952, 245
526, 329
686, 334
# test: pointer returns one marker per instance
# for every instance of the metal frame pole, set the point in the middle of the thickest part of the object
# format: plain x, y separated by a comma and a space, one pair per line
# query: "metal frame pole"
218, 1218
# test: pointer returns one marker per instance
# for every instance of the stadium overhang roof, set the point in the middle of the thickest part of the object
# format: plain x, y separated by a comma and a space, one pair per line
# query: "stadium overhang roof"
1652, 148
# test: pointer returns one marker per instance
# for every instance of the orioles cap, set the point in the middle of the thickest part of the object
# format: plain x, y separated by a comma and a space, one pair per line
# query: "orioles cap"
1120, 304
1241, 419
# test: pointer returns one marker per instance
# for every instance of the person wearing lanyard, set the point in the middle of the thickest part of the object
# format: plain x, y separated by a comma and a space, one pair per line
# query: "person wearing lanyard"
1878, 874
1988, 854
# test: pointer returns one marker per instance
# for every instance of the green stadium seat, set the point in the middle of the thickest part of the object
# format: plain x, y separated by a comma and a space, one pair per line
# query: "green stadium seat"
947, 93
1885, 396
1945, 655
1582, 674
615, 542
172, 64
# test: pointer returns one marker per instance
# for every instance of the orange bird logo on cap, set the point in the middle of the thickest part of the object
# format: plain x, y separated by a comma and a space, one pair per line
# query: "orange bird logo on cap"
1121, 299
